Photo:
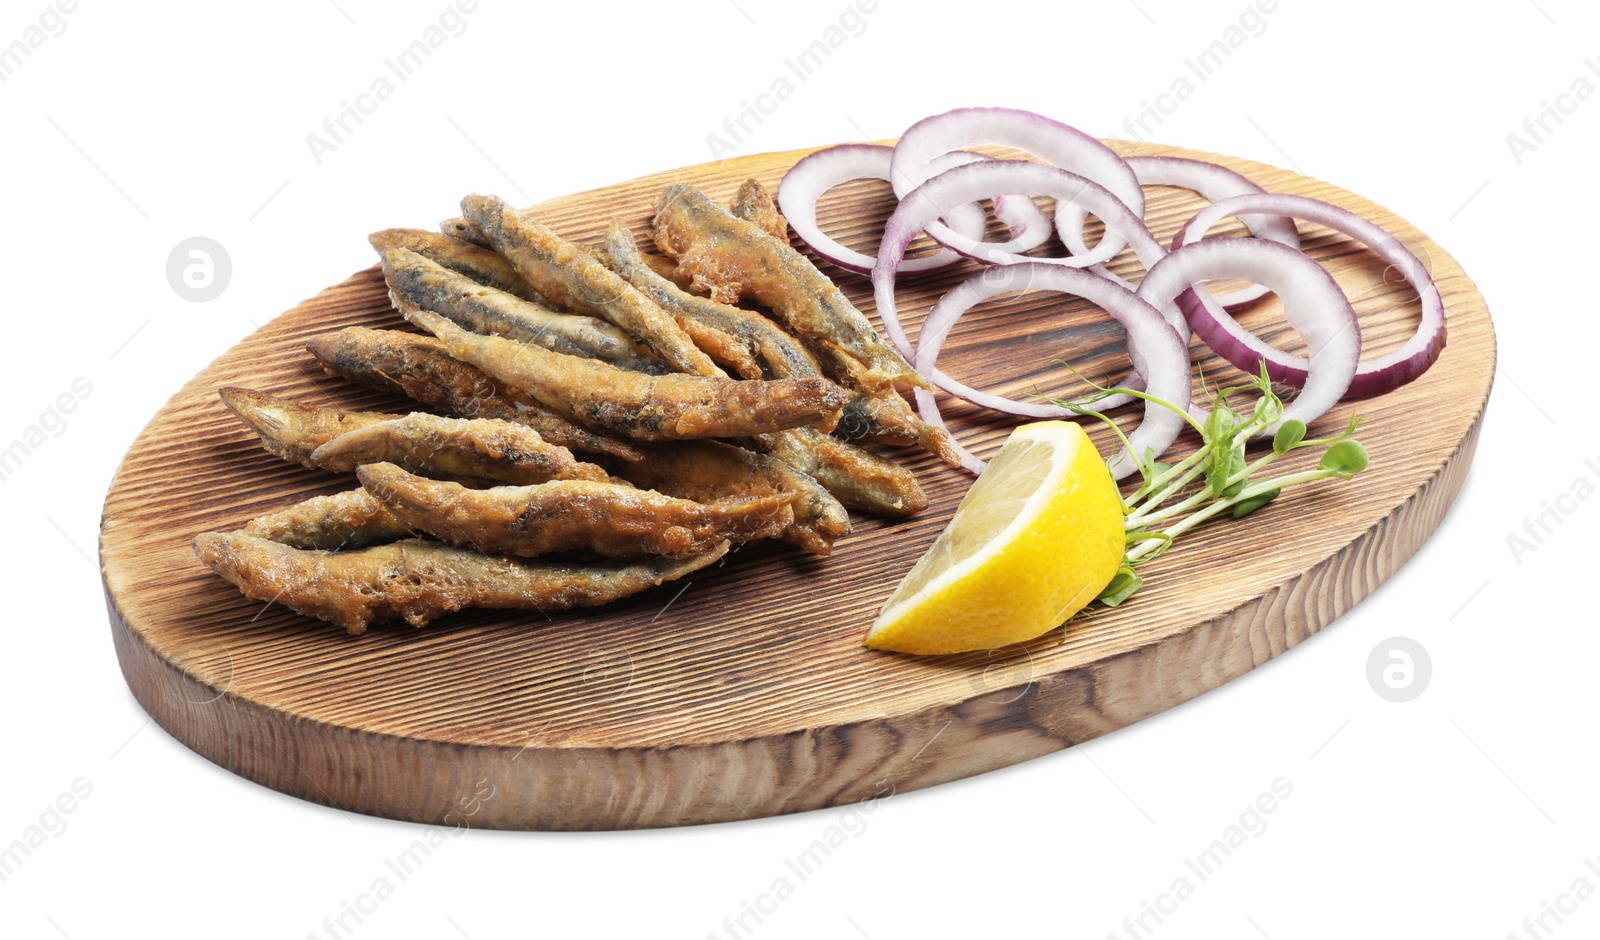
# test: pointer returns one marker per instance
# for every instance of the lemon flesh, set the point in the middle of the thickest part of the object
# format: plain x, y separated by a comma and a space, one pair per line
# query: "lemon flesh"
1038, 537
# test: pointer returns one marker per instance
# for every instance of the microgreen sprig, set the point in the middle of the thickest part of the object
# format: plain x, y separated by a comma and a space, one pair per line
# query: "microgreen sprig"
1217, 477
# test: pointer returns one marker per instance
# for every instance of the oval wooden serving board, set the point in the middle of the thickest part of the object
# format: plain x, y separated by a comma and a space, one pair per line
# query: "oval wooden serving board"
746, 692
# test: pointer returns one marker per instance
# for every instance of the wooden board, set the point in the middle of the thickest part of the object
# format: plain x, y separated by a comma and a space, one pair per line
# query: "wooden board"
747, 692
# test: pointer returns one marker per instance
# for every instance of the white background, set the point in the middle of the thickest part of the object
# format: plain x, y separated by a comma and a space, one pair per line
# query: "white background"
1457, 814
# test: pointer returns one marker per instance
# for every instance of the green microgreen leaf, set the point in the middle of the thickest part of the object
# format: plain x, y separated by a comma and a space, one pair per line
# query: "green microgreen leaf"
1123, 585
1245, 507
1290, 434
1345, 458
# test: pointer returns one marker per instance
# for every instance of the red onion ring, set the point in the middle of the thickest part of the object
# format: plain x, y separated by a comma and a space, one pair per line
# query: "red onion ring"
1028, 224
982, 180
992, 282
1213, 182
1312, 302
1062, 145
816, 173
1373, 376
1153, 346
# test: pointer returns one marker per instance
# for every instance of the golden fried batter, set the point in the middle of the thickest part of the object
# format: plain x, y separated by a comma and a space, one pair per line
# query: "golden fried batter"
417, 281
732, 258
573, 277
643, 407
291, 430
608, 519
473, 449
711, 471
419, 581
421, 368
351, 519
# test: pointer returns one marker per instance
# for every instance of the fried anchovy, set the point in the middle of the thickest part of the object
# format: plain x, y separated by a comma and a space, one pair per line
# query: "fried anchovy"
573, 277
418, 581
352, 519
643, 407
747, 342
477, 449
857, 477
732, 258
421, 368
710, 471
609, 519
289, 429
484, 265
879, 414
417, 281
464, 448
765, 349
754, 204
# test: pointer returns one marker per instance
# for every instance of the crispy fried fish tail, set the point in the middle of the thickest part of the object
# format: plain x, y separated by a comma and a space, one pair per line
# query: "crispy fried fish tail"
289, 429
352, 519
609, 519
575, 278
733, 258
857, 477
419, 581
710, 471
417, 281
643, 407
457, 448
420, 368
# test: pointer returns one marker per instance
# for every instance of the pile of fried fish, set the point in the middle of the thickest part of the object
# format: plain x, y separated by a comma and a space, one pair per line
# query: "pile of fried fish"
700, 424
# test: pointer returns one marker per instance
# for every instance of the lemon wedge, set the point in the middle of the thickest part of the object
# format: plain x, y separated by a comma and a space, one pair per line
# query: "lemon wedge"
1038, 537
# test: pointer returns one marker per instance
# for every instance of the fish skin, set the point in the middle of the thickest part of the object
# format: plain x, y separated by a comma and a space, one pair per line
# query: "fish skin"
419, 581
574, 278
488, 449
610, 519
484, 265
643, 407
417, 281
289, 429
730, 258
352, 519
709, 471
421, 368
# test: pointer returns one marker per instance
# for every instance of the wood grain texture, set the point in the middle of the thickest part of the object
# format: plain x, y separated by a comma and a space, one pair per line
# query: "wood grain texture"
749, 693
